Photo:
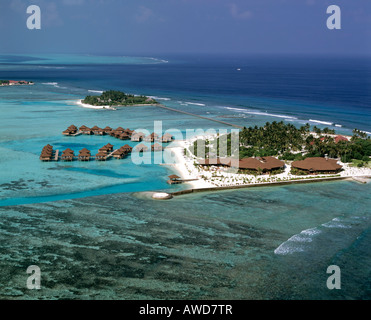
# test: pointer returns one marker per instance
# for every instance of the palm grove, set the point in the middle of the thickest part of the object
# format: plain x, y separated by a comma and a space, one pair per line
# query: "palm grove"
291, 143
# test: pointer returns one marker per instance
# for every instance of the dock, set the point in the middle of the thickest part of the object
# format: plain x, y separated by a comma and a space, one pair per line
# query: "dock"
201, 117
56, 156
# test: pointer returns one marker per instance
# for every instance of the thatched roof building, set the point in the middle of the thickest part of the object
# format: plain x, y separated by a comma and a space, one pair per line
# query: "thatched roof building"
127, 148
261, 163
157, 147
141, 148
317, 164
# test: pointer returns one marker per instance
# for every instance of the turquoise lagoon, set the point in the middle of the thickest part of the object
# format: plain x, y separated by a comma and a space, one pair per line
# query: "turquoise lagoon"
96, 235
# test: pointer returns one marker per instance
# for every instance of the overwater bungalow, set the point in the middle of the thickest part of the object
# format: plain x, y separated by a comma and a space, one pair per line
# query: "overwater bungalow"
107, 130
124, 136
127, 148
109, 147
151, 138
136, 137
119, 154
174, 179
104, 149
141, 148
68, 155
67, 132
47, 153
129, 132
166, 138
317, 165
120, 130
97, 131
101, 156
157, 147
84, 155
45, 157
86, 130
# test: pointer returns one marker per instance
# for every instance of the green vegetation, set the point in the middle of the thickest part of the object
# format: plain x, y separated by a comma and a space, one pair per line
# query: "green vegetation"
291, 143
117, 98
16, 83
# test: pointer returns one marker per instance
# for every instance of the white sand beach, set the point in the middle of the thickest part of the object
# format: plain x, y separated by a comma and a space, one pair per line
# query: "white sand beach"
214, 177
79, 103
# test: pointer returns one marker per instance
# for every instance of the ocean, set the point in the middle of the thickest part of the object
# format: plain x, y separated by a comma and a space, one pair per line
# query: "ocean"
95, 235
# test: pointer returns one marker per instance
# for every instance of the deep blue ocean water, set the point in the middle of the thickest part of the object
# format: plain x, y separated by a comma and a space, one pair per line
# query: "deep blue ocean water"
87, 218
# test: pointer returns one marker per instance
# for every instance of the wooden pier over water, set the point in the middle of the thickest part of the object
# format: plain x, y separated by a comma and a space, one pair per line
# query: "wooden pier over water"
202, 117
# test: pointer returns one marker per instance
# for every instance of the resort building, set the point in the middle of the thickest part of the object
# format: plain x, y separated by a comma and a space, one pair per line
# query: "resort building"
157, 147
317, 165
137, 136
85, 130
265, 164
107, 130
119, 154
166, 138
141, 148
151, 138
124, 136
126, 148
71, 130
101, 156
340, 138
174, 179
47, 153
67, 155
84, 155
215, 162
97, 131
109, 147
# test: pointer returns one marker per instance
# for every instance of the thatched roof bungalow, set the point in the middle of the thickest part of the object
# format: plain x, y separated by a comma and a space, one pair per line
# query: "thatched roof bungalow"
119, 154
166, 138
84, 155
127, 148
157, 147
68, 155
141, 148
101, 156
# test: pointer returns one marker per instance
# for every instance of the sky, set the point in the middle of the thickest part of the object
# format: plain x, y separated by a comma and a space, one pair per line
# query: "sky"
186, 26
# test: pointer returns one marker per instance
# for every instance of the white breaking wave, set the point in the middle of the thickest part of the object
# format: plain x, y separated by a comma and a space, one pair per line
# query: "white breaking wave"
260, 113
297, 242
196, 104
159, 98
159, 60
96, 91
336, 223
321, 122
55, 84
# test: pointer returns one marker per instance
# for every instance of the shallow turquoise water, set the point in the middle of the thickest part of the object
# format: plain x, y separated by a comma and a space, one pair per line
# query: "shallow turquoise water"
95, 237
263, 243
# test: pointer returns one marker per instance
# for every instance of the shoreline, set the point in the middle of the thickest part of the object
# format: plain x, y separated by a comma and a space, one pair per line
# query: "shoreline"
89, 106
186, 170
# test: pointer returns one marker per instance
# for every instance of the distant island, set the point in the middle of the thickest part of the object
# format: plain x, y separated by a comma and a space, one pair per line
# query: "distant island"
117, 98
5, 83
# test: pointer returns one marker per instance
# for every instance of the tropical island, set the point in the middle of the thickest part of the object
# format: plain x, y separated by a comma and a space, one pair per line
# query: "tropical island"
6, 83
114, 98
275, 153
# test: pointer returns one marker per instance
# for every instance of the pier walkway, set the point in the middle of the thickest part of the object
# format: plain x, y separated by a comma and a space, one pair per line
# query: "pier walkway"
202, 117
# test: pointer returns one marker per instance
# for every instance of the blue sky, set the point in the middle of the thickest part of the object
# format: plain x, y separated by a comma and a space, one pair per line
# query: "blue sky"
186, 26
